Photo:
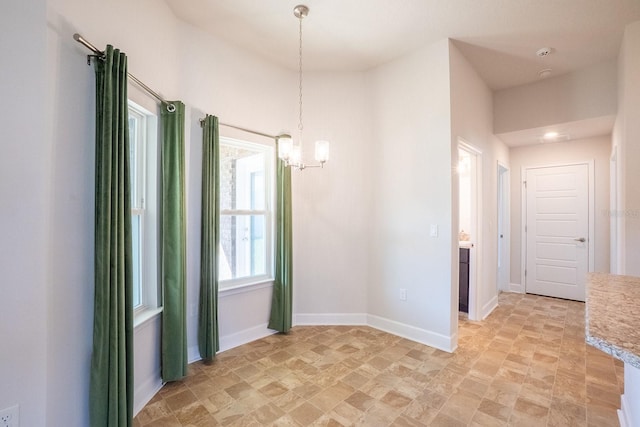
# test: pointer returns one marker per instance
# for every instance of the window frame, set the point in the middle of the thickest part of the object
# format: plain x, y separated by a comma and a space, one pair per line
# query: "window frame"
268, 212
144, 187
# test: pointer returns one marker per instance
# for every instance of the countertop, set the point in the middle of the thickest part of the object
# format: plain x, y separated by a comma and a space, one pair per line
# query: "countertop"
613, 315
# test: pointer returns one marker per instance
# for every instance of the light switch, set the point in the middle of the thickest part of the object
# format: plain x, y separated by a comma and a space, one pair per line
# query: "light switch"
434, 230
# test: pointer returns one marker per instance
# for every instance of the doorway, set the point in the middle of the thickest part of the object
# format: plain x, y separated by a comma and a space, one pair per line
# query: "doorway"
558, 224
469, 231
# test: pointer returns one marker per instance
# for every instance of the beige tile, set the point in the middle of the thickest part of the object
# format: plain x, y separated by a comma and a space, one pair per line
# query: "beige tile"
346, 414
307, 390
239, 390
328, 398
442, 420
564, 414
192, 414
461, 406
396, 400
379, 414
287, 401
503, 392
305, 414
267, 414
526, 412
232, 413
273, 389
473, 386
153, 411
480, 419
405, 421
168, 421
494, 410
180, 400
446, 382
603, 395
360, 401
601, 416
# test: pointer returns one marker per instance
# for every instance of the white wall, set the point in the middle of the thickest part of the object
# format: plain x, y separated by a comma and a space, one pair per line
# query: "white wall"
472, 120
24, 212
332, 207
598, 149
584, 94
412, 180
626, 137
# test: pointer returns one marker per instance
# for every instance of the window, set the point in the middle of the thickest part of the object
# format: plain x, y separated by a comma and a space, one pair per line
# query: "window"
246, 220
143, 174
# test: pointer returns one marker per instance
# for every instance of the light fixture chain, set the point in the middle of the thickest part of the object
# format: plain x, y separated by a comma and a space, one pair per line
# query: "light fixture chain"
300, 126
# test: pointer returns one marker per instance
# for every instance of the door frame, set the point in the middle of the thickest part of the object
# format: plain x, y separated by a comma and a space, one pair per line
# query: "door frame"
616, 220
475, 254
523, 213
504, 224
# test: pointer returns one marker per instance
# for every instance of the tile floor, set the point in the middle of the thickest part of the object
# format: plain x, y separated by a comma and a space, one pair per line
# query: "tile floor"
526, 364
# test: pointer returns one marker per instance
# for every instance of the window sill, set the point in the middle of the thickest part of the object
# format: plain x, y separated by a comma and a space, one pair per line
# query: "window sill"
245, 287
144, 315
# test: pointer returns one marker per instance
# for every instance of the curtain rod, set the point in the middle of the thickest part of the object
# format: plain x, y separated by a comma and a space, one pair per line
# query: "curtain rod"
170, 107
255, 132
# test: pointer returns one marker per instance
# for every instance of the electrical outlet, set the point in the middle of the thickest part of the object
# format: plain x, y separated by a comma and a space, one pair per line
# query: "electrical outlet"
403, 294
10, 417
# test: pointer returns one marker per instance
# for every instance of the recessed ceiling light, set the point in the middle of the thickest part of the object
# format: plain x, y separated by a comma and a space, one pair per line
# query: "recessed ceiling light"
543, 74
553, 136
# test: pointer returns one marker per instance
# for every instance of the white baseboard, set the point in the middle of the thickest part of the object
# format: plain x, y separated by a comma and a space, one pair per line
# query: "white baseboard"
488, 308
516, 287
412, 333
193, 354
145, 392
309, 319
245, 336
422, 336
227, 342
624, 413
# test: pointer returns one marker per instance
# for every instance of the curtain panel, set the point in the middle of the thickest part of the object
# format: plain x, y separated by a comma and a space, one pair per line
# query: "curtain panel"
111, 377
208, 340
281, 300
173, 245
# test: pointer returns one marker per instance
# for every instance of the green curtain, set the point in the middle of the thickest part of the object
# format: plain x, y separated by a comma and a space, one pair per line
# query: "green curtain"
111, 377
281, 301
173, 245
208, 340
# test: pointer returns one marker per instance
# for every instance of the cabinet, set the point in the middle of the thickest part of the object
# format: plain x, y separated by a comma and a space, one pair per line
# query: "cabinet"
463, 301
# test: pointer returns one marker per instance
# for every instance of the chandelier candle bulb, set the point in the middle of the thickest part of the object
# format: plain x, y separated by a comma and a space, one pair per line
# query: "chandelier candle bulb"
322, 151
295, 158
285, 147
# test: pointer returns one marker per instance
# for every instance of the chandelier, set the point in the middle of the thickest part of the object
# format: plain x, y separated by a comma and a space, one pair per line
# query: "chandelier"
289, 152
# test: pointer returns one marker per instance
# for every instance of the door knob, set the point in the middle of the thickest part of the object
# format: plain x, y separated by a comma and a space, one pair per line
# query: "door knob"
580, 239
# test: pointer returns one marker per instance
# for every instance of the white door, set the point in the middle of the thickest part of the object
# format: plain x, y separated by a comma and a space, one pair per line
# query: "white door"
557, 228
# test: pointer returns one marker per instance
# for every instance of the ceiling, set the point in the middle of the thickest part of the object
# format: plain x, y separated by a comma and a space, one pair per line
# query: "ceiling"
499, 37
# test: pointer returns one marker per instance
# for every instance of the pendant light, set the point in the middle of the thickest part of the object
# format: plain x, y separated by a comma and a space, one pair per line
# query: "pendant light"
288, 151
